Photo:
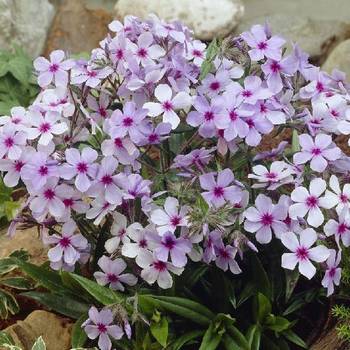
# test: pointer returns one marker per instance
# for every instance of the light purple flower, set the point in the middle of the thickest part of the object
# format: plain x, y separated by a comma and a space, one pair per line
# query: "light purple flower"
168, 104
105, 182
318, 151
196, 51
129, 122
262, 45
340, 229
211, 243
171, 217
207, 116
38, 170
278, 175
99, 325
99, 106
81, 166
155, 270
310, 202
99, 209
302, 252
47, 199
122, 148
90, 76
12, 142
214, 84
274, 68
154, 136
45, 126
226, 258
333, 272
219, 191
112, 274
133, 186
338, 198
167, 245
144, 51
53, 70
68, 245
265, 217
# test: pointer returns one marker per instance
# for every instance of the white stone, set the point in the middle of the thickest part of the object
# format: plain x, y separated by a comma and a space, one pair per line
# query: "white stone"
339, 58
25, 23
207, 18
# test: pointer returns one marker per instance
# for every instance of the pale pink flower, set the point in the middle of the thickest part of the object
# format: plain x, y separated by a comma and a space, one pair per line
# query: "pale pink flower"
333, 272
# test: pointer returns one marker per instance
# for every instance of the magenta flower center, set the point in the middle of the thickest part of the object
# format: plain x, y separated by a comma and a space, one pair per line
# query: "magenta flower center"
343, 198
9, 142
215, 85
233, 115
208, 116
142, 52
101, 328
91, 73
197, 53
263, 108
64, 242
82, 167
49, 194
159, 266
247, 93
267, 219
342, 228
18, 166
53, 67
331, 272
127, 121
43, 170
302, 253
271, 175
169, 243
262, 45
107, 179
44, 127
119, 54
118, 143
112, 278
167, 106
218, 191
275, 67
175, 220
143, 243
68, 202
102, 111
311, 201
153, 138
250, 123
224, 253
121, 232
319, 86
316, 151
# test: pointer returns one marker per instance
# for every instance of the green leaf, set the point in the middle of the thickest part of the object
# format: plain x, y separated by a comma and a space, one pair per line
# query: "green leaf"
279, 324
292, 337
151, 303
6, 265
101, 294
292, 278
16, 282
295, 142
5, 338
79, 336
39, 344
211, 52
8, 304
160, 331
264, 308
19, 68
238, 337
260, 277
47, 278
253, 336
62, 304
212, 338
185, 338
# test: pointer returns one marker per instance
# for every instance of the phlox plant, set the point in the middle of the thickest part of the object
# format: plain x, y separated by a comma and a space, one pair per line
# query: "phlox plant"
167, 226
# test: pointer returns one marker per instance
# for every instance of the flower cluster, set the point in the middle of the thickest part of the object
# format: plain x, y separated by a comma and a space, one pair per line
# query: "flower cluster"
157, 143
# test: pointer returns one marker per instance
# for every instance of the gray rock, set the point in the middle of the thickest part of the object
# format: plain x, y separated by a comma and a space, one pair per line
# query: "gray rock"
315, 36
55, 330
25, 23
207, 18
339, 58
